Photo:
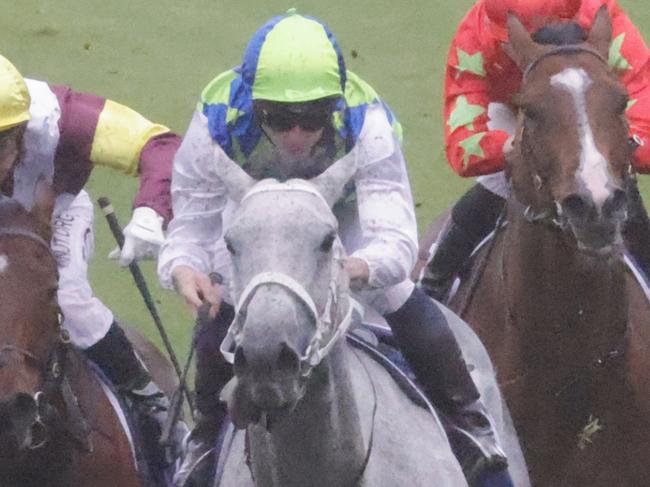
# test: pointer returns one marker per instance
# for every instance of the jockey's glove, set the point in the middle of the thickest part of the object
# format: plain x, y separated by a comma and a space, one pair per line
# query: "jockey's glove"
143, 237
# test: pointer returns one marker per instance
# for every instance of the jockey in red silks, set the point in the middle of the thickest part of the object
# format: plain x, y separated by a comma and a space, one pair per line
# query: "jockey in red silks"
54, 133
480, 120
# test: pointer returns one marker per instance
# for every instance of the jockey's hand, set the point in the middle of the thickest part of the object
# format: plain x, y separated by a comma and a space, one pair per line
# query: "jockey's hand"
358, 272
143, 237
195, 287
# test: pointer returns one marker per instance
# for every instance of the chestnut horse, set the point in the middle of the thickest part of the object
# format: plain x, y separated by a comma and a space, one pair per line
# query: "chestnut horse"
57, 424
564, 319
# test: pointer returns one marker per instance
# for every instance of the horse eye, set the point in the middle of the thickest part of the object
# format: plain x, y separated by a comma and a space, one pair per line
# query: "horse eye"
622, 104
328, 241
532, 114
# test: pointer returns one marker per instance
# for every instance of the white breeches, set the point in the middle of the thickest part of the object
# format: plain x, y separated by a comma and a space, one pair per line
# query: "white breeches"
500, 117
86, 318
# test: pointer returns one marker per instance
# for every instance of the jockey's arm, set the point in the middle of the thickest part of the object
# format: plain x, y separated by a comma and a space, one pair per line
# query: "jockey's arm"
385, 204
97, 131
472, 148
198, 199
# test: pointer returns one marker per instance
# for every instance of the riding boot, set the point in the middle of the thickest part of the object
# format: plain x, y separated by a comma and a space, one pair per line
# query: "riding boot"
431, 349
636, 232
212, 373
473, 217
116, 357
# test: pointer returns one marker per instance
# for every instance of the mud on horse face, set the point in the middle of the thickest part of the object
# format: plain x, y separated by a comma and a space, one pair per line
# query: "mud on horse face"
570, 160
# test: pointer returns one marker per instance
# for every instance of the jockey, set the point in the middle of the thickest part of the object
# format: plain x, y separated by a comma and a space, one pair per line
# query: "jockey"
480, 82
52, 132
292, 100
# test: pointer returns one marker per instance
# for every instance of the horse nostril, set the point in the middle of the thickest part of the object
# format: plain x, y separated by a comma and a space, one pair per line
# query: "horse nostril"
575, 206
288, 360
616, 203
240, 362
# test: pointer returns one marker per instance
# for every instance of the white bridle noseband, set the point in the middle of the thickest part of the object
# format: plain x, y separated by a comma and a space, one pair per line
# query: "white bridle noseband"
327, 332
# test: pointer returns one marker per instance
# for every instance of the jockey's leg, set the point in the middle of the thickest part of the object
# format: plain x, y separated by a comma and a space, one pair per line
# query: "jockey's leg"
431, 349
90, 323
212, 373
637, 228
473, 217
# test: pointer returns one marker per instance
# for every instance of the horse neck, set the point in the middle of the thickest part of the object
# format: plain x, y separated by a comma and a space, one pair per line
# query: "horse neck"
321, 442
582, 299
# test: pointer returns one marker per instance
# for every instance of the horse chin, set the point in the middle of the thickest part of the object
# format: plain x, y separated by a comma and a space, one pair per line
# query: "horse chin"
265, 406
273, 417
598, 243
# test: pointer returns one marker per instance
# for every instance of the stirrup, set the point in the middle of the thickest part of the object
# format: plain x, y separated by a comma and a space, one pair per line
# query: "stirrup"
476, 449
194, 468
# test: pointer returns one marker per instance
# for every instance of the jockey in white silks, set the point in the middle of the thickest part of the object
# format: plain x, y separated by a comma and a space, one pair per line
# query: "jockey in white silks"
289, 111
53, 133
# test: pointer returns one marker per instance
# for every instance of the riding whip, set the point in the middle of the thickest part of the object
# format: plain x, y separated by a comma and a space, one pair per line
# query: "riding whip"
202, 320
141, 284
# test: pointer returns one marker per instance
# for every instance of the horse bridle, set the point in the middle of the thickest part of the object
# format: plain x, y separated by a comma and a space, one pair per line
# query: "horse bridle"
559, 51
550, 216
53, 368
327, 332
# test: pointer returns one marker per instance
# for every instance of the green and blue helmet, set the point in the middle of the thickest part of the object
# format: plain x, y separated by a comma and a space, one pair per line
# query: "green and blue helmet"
294, 59
293, 62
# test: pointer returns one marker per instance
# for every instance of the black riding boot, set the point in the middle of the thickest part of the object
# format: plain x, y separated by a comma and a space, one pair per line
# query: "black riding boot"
115, 355
212, 373
472, 218
636, 232
431, 349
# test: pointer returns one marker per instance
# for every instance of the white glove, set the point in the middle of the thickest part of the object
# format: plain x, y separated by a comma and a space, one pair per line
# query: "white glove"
143, 237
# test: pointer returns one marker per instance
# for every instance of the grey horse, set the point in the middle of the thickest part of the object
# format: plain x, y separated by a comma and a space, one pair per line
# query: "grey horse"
309, 408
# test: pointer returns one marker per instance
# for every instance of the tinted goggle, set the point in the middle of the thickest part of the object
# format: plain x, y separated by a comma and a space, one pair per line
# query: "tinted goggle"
283, 121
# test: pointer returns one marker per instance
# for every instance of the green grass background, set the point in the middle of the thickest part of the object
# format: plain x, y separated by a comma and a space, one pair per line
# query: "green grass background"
156, 56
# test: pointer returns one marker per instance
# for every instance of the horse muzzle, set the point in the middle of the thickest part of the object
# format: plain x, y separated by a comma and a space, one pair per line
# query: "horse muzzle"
21, 429
596, 228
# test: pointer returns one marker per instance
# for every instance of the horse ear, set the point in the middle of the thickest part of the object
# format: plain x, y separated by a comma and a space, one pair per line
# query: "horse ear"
331, 182
520, 46
43, 204
600, 35
237, 181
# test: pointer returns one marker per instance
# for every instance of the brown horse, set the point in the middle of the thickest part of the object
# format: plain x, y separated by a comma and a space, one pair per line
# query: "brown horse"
57, 424
564, 320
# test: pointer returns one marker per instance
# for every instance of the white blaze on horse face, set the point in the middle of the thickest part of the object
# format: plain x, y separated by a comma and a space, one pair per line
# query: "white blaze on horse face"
4, 262
594, 170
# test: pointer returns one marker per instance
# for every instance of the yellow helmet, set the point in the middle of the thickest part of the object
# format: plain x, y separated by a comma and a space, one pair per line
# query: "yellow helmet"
14, 97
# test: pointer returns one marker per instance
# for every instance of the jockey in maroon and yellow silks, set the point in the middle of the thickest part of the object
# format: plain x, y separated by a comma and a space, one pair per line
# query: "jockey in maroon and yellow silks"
479, 72
54, 134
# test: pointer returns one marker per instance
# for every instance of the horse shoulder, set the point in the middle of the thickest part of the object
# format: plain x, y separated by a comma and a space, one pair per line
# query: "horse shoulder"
639, 339
106, 430
408, 442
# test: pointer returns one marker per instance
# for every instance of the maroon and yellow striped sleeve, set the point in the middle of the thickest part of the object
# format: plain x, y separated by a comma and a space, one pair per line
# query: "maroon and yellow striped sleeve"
97, 131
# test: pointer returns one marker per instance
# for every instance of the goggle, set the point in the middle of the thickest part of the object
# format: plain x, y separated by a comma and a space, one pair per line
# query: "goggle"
283, 121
